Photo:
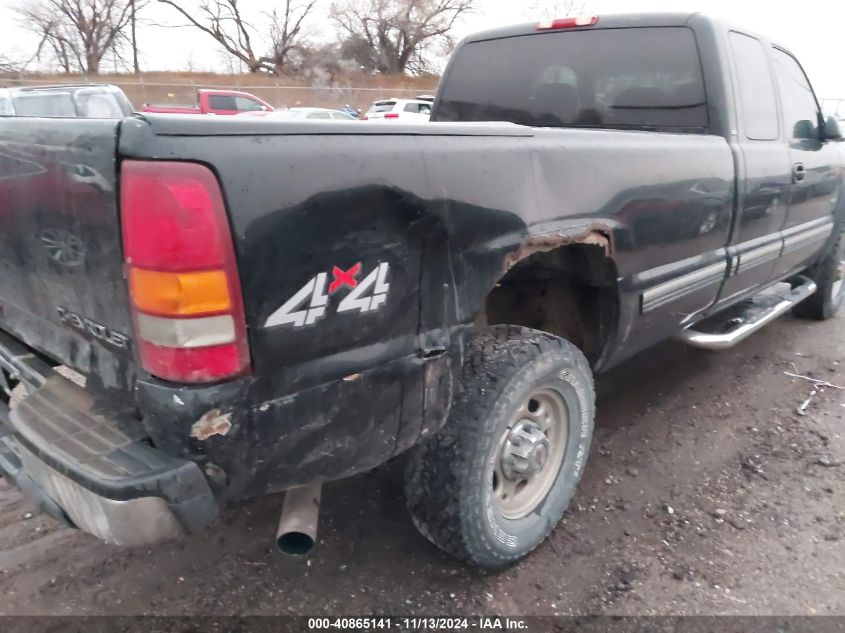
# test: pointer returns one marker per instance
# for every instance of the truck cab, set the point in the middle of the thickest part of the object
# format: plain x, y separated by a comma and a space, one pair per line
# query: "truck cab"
221, 102
91, 101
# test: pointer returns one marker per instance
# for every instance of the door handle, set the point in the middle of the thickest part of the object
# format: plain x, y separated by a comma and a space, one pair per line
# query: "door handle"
798, 172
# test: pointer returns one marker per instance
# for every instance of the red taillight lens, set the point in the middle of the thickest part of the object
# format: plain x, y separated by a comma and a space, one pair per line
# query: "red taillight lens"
391, 115
171, 217
190, 365
186, 294
568, 23
365, 118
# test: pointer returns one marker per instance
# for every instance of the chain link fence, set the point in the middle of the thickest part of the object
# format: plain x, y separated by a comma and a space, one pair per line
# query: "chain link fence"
278, 94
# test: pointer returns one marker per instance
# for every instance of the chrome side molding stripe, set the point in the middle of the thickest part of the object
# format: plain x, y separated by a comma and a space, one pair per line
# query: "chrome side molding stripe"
793, 239
758, 256
667, 291
804, 237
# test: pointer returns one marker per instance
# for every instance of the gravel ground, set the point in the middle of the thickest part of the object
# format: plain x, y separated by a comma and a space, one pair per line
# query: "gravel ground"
706, 493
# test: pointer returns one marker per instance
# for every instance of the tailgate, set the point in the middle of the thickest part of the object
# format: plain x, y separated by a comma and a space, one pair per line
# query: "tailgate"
62, 289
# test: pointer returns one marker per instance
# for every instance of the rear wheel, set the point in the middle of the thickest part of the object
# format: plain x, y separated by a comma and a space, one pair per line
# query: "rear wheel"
829, 275
494, 482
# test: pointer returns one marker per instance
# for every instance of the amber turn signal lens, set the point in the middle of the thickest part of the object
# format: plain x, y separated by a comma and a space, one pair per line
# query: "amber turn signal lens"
180, 294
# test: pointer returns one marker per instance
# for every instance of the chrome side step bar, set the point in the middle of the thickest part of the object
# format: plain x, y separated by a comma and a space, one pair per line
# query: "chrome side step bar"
736, 323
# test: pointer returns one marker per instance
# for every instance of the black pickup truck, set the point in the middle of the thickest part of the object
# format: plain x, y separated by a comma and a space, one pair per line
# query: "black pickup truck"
243, 306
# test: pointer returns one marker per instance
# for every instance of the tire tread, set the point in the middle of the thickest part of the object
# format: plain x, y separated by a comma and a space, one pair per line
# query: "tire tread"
436, 467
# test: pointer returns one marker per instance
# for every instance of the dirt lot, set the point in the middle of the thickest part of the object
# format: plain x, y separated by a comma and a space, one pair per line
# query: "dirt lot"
706, 493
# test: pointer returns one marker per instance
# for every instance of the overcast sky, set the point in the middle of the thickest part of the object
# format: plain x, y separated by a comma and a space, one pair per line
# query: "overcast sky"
812, 29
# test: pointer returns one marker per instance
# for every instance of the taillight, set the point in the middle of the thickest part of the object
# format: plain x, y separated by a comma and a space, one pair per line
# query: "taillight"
568, 23
365, 118
183, 277
391, 115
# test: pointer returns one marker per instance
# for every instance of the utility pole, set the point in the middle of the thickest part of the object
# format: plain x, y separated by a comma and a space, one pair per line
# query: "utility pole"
136, 66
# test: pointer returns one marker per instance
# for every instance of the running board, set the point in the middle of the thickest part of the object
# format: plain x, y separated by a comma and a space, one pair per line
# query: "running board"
736, 323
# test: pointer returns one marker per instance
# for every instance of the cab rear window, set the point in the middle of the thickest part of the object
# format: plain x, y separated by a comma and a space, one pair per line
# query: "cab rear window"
628, 78
45, 104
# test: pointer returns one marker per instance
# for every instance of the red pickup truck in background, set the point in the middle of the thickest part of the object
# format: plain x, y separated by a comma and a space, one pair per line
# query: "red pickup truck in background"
216, 102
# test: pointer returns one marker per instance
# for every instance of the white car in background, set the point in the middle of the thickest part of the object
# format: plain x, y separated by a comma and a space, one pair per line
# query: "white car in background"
418, 109
325, 114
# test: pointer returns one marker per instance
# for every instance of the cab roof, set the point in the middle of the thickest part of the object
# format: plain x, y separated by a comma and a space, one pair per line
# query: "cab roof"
612, 21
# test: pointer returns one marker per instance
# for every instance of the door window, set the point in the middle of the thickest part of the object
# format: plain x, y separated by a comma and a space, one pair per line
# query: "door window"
244, 104
418, 108
800, 109
756, 89
221, 102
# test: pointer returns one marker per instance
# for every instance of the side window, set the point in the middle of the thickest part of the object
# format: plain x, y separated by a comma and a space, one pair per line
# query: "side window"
246, 105
756, 89
412, 107
221, 102
800, 110
98, 106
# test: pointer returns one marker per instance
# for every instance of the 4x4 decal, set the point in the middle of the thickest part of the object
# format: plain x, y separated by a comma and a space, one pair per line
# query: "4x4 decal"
309, 303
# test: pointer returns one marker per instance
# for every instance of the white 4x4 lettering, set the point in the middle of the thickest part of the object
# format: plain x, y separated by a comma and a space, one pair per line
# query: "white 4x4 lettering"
356, 300
309, 303
291, 311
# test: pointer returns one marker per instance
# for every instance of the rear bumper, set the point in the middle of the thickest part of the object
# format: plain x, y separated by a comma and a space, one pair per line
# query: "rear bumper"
86, 462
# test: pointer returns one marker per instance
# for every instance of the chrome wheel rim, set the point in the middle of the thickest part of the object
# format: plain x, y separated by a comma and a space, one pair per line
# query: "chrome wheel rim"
530, 454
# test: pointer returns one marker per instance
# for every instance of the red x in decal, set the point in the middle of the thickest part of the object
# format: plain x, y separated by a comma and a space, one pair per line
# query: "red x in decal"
344, 277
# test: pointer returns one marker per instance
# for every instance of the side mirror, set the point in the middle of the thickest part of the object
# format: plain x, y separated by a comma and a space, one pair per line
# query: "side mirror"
832, 130
804, 129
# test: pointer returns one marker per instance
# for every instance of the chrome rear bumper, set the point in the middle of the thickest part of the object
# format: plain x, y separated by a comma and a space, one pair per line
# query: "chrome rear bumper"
139, 521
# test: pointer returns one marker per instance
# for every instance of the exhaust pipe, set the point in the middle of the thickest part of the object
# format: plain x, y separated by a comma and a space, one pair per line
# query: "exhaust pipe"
297, 531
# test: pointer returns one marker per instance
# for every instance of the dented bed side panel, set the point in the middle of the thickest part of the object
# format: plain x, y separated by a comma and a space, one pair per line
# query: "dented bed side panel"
348, 388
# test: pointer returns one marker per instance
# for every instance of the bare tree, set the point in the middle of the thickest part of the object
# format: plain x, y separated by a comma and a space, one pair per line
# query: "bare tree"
133, 19
357, 54
286, 31
77, 33
400, 32
557, 8
226, 22
322, 64
8, 65
56, 39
